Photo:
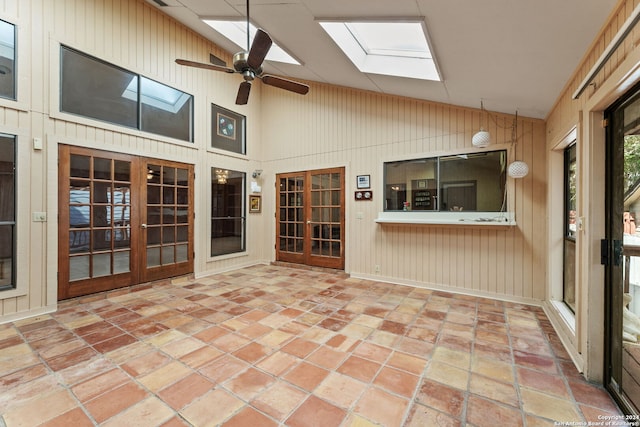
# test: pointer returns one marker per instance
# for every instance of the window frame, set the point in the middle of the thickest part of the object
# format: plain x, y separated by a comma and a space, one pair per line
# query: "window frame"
242, 209
14, 223
139, 77
463, 218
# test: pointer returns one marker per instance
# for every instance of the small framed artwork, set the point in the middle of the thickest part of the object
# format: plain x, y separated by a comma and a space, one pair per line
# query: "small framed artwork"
255, 204
363, 181
227, 130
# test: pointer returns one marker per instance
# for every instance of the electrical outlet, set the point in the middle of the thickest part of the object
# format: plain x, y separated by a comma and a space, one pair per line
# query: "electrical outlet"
377, 268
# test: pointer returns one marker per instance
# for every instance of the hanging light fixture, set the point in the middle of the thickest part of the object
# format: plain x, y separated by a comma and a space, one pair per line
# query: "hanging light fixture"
482, 138
518, 168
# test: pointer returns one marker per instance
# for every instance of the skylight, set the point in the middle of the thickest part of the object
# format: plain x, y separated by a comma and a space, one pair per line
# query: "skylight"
390, 48
236, 32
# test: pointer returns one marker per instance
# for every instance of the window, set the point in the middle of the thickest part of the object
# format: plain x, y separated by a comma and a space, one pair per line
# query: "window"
228, 220
389, 48
569, 279
7, 60
456, 183
98, 90
7, 211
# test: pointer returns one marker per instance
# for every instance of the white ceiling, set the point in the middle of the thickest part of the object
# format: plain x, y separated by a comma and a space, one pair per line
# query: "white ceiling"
514, 55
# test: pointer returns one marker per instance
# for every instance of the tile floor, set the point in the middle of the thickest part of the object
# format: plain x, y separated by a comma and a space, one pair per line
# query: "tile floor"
278, 346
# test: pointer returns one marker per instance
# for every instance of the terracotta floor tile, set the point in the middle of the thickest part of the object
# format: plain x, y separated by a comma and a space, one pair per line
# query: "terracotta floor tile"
212, 409
146, 363
278, 363
492, 368
164, 376
447, 374
546, 406
316, 413
341, 390
75, 417
533, 361
441, 397
494, 390
114, 401
149, 412
67, 360
587, 394
407, 362
249, 383
185, 391
249, 417
546, 383
359, 368
306, 376
327, 357
482, 412
99, 384
40, 409
210, 334
279, 400
247, 347
300, 348
381, 407
422, 416
396, 381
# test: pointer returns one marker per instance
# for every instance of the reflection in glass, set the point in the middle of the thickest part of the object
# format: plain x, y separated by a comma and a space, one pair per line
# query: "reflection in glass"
80, 166
463, 182
101, 168
79, 267
121, 262
101, 265
7, 60
227, 213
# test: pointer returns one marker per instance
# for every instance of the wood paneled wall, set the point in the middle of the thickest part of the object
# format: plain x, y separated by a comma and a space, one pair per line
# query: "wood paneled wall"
136, 36
332, 126
361, 130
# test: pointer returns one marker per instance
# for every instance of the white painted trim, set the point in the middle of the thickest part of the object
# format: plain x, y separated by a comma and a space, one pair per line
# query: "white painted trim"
29, 314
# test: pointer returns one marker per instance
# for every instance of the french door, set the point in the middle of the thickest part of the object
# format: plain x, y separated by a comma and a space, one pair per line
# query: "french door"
123, 220
310, 218
622, 373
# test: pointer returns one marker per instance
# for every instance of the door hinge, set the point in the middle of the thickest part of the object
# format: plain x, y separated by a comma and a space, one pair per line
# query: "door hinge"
605, 123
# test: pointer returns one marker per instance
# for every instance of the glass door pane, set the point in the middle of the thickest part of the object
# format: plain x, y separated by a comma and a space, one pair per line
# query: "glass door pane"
569, 280
623, 271
99, 217
291, 219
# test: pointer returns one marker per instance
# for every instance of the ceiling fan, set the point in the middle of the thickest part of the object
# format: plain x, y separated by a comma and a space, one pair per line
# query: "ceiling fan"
249, 64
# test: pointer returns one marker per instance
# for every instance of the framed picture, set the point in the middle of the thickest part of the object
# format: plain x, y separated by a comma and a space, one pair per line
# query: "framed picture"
255, 204
227, 130
363, 181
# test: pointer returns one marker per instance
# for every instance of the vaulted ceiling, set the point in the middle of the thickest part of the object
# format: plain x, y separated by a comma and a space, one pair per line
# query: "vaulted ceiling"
514, 55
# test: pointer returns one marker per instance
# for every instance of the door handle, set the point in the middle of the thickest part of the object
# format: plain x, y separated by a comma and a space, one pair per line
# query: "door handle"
144, 225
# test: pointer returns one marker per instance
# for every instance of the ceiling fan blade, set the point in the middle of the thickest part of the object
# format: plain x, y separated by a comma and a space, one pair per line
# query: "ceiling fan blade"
243, 93
205, 66
285, 84
259, 48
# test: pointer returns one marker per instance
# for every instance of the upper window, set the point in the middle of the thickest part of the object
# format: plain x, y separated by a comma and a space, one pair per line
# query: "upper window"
390, 48
462, 182
7, 211
7, 60
93, 88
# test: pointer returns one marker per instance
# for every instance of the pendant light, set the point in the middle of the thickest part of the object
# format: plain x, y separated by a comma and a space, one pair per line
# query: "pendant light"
482, 138
517, 169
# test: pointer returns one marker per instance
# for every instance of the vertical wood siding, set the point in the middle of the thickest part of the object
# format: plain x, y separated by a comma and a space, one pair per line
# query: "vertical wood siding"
361, 130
